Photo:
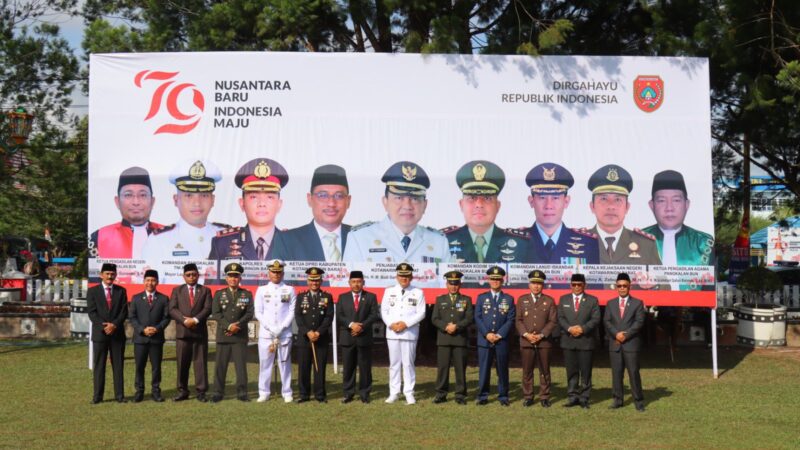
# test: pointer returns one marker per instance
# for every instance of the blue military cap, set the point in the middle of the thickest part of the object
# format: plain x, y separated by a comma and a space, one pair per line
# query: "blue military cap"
195, 175
496, 273
549, 178
611, 179
480, 178
406, 178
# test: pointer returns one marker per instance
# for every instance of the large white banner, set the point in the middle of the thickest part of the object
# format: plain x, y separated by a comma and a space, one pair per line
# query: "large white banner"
211, 157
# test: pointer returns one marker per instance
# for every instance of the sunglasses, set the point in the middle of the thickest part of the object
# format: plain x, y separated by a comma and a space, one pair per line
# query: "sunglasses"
623, 286
576, 284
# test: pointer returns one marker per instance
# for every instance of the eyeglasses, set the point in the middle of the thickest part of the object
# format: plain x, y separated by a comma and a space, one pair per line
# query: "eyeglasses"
191, 274
325, 196
623, 286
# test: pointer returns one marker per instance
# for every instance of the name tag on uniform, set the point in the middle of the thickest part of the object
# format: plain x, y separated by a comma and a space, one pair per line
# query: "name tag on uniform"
181, 253
377, 250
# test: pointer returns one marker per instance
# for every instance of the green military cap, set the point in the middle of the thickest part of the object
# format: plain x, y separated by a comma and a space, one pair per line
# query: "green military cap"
261, 175
611, 179
480, 178
536, 276
195, 176
404, 269
314, 273
496, 273
453, 277
234, 268
406, 178
276, 266
549, 178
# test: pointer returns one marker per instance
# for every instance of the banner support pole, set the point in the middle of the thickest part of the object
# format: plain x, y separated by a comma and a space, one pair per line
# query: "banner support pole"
715, 366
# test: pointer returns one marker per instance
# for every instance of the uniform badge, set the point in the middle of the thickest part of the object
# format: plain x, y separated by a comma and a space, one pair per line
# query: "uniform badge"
234, 249
262, 169
479, 172
575, 252
511, 243
633, 246
612, 175
548, 174
285, 298
409, 173
575, 245
376, 242
197, 171
430, 248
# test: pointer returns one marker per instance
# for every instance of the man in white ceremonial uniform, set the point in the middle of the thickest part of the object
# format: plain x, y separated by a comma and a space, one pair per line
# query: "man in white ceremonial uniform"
402, 309
274, 309
399, 237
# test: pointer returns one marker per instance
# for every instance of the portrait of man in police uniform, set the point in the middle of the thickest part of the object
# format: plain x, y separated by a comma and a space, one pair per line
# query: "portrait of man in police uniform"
261, 181
190, 237
551, 241
399, 237
480, 240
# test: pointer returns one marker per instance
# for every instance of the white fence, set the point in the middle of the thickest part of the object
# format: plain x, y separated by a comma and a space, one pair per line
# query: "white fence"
56, 290
727, 295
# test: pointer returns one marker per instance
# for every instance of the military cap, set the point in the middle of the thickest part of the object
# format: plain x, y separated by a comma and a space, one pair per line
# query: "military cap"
453, 277
314, 273
357, 274
404, 269
549, 178
329, 174
480, 178
668, 179
406, 178
195, 175
108, 267
496, 273
276, 266
578, 278
611, 179
190, 267
536, 276
134, 175
261, 175
234, 268
151, 273
623, 277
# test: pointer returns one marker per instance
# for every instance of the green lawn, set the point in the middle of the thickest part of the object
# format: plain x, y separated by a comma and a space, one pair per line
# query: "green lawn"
46, 391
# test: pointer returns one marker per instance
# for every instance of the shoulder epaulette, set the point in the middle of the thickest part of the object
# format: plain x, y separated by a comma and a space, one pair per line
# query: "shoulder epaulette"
450, 229
644, 233
221, 225
434, 230
228, 231
360, 226
517, 232
584, 232
158, 231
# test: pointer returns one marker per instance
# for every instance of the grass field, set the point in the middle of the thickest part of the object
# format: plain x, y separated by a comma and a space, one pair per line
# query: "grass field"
46, 389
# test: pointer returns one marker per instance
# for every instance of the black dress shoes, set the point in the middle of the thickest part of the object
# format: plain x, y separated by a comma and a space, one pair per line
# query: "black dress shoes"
482, 402
157, 397
585, 405
347, 399
243, 398
202, 398
181, 397
640, 407
546, 403
504, 403
216, 398
615, 405
527, 402
302, 400
438, 400
365, 400
571, 403
461, 401
322, 400
138, 397
121, 400
97, 400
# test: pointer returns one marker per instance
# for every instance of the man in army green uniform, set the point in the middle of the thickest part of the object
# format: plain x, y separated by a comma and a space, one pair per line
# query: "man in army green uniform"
480, 240
452, 314
313, 312
232, 308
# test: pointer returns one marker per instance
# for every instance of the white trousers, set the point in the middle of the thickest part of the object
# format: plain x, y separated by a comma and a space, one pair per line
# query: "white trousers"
265, 363
401, 356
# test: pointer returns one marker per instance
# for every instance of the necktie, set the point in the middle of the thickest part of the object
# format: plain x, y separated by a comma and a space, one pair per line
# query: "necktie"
355, 301
452, 299
549, 246
610, 246
402, 292
191, 296
577, 301
260, 248
108, 297
405, 242
150, 299
621, 308
480, 244
333, 252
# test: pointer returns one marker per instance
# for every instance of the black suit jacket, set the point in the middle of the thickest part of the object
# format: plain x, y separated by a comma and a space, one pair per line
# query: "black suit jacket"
369, 313
588, 317
303, 244
142, 315
313, 315
179, 310
631, 324
97, 308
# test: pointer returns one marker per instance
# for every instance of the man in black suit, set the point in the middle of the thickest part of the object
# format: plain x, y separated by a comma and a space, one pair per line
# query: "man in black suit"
149, 315
190, 306
324, 238
578, 317
623, 320
356, 312
452, 315
107, 306
313, 312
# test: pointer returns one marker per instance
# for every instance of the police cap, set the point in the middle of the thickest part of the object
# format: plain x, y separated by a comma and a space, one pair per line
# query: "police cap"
261, 175
314, 273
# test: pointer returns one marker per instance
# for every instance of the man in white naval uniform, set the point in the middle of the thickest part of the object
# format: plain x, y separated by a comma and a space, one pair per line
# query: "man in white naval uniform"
274, 309
402, 309
190, 237
399, 237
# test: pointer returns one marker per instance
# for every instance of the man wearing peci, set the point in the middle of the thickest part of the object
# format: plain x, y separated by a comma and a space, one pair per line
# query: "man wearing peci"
452, 316
578, 317
149, 316
107, 307
356, 312
494, 316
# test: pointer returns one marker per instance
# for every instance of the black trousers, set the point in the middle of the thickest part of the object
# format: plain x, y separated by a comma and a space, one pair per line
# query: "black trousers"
305, 366
619, 362
225, 352
456, 357
361, 358
188, 352
153, 352
101, 350
579, 374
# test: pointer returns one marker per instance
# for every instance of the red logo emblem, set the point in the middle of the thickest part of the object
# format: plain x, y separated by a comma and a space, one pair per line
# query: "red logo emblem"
648, 92
179, 122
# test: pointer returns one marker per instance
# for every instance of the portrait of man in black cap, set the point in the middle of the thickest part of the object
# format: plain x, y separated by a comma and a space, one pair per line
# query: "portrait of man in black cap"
134, 200
325, 237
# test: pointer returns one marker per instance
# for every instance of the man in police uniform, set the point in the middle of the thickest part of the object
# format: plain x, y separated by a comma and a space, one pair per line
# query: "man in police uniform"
480, 240
399, 237
452, 315
274, 310
677, 243
536, 320
135, 201
261, 181
402, 310
323, 239
552, 242
313, 313
232, 308
494, 316
191, 236
578, 317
